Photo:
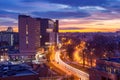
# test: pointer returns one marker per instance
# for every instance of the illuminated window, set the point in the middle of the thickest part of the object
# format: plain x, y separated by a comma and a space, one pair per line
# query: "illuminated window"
48, 43
26, 29
40, 36
51, 22
49, 30
26, 39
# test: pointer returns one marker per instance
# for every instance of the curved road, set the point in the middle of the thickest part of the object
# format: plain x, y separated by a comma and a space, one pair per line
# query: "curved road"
82, 75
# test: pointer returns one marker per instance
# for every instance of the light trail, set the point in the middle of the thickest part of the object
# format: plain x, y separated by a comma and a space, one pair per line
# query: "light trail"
82, 75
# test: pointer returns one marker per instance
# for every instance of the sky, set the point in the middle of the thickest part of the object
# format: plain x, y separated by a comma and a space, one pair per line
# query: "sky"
73, 15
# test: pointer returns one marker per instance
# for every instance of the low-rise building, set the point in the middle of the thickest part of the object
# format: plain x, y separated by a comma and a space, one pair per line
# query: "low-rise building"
9, 37
106, 69
17, 72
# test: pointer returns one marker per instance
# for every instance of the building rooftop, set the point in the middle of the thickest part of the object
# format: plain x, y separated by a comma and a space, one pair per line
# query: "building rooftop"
7, 70
117, 60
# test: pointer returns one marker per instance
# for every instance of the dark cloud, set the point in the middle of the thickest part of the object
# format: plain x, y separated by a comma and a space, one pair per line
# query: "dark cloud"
9, 4
6, 14
73, 2
80, 2
60, 15
32, 0
114, 5
109, 4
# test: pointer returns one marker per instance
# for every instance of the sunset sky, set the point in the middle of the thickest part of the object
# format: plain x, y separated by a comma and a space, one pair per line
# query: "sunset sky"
74, 15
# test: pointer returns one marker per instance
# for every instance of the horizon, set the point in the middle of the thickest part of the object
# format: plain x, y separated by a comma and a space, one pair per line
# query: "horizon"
15, 29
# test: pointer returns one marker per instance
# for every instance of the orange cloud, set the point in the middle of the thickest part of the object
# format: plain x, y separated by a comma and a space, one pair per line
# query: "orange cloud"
90, 25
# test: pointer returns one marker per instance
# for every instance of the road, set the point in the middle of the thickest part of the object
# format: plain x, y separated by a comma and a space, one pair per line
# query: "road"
56, 66
82, 75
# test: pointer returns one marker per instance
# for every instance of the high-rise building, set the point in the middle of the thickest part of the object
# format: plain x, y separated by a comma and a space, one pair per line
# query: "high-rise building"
36, 32
48, 31
29, 34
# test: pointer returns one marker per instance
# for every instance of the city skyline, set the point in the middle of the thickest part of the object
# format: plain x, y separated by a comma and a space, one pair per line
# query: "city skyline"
74, 16
59, 39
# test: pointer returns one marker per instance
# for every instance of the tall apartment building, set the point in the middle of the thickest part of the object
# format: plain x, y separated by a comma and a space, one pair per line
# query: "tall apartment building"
29, 34
35, 33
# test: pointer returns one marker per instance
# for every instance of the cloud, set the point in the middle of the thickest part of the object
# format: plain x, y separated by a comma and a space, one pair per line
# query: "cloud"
72, 28
59, 15
72, 2
8, 18
92, 8
8, 21
5, 14
3, 19
13, 6
76, 21
104, 16
83, 4
31, 1
44, 6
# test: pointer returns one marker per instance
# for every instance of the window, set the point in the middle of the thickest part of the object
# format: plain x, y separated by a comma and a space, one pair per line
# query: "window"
26, 39
26, 29
49, 30
40, 36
